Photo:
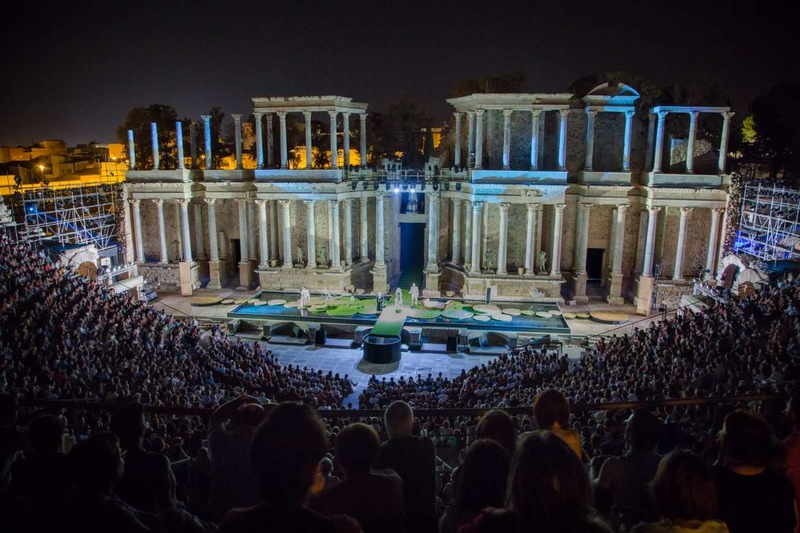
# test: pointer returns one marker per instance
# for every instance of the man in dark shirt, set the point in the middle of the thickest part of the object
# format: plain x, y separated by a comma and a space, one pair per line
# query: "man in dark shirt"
414, 460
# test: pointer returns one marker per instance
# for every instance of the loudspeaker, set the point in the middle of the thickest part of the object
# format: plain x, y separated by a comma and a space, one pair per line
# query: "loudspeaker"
452, 344
320, 337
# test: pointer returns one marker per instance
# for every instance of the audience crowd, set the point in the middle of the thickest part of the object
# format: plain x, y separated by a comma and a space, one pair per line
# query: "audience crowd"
265, 460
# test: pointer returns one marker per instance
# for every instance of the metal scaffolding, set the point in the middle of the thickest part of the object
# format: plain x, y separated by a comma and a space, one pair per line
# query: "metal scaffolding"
769, 224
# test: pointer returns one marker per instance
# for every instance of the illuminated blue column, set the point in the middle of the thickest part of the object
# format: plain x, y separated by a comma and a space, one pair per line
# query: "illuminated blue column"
287, 234
284, 150
507, 138
363, 233
154, 141
535, 114
723, 142
207, 138
270, 147
470, 133
334, 146
458, 139
626, 147
311, 232
162, 231
479, 139
187, 239
179, 143
131, 150
659, 141
590, 117
379, 198
502, 241
562, 139
433, 228
137, 229
309, 160
477, 216
237, 129
259, 141
690, 143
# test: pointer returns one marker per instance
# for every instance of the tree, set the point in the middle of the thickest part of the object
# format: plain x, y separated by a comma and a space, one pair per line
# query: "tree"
510, 82
774, 128
139, 120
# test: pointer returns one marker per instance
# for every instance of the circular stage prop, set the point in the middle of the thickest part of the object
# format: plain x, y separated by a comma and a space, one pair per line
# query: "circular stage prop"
292, 305
368, 309
456, 314
512, 311
528, 312
259, 303
570, 316
432, 304
582, 315
382, 349
277, 301
343, 310
239, 302
485, 308
608, 317
501, 317
227, 301
319, 308
556, 313
428, 314
482, 318
544, 314
202, 301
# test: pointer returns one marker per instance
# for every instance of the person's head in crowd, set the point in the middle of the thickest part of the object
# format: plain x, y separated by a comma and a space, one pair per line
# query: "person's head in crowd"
399, 419
357, 448
285, 451
548, 489
683, 488
128, 424
642, 430
483, 476
97, 463
498, 425
551, 409
326, 466
746, 440
46, 434
249, 414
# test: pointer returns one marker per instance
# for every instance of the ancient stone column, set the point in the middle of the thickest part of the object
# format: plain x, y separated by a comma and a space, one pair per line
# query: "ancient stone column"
311, 232
379, 198
131, 150
468, 235
433, 228
137, 229
198, 231
309, 160
535, 138
162, 231
187, 238
364, 232
713, 239
590, 118
530, 238
555, 255
154, 141
272, 215
650, 243
477, 217
251, 231
262, 233
662, 115
723, 141
270, 144
470, 133
363, 135
287, 234
581, 244
678, 273
455, 234
346, 138
507, 138
243, 234
690, 143
502, 245
457, 144
207, 139
348, 231
284, 148
615, 285
179, 143
479, 139
626, 143
334, 146
336, 262
212, 229
562, 139
259, 140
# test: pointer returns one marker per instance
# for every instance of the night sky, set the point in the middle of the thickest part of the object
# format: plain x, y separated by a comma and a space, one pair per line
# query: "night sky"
72, 72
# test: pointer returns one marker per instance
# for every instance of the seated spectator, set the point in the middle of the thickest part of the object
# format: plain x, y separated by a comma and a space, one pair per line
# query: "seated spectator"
11, 438
685, 496
753, 496
148, 484
498, 426
285, 453
414, 460
548, 490
480, 483
792, 445
41, 479
621, 487
92, 506
233, 481
326, 471
373, 498
551, 410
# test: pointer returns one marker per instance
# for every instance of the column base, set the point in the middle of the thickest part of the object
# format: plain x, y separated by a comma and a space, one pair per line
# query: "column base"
644, 295
245, 276
189, 276
431, 289
379, 281
432, 268
215, 271
615, 289
579, 287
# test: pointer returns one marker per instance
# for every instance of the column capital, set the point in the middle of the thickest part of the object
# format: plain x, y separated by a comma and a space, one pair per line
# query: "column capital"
333, 203
563, 113
363, 117
504, 207
623, 208
259, 202
135, 202
536, 112
284, 203
585, 207
662, 115
333, 114
381, 195
206, 118
237, 117
457, 114
258, 115
727, 115
307, 114
685, 211
653, 210
183, 202
345, 114
433, 195
347, 201
210, 201
309, 203
480, 112
592, 113
456, 201
532, 208
717, 211
158, 201
242, 202
693, 115
470, 114
629, 114
281, 115
507, 113
477, 206
559, 207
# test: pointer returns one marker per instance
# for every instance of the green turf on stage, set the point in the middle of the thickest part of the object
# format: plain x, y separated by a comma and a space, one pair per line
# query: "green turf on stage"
390, 322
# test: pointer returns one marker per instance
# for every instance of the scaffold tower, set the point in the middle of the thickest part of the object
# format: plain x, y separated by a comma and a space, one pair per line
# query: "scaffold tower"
769, 225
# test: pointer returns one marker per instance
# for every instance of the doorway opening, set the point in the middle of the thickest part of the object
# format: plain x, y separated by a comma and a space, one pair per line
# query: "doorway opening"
594, 264
237, 251
412, 253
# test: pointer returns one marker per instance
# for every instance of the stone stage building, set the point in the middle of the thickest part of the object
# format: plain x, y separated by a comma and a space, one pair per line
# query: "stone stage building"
539, 196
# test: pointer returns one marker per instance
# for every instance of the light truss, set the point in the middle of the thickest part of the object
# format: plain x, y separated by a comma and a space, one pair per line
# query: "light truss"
769, 225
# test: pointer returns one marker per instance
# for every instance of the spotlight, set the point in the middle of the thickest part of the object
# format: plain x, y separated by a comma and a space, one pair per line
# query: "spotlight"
446, 186
458, 186
435, 186
396, 189
422, 186
365, 185
388, 185
405, 185
354, 185
374, 186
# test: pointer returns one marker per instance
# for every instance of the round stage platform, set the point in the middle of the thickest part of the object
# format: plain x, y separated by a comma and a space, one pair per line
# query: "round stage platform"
382, 349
